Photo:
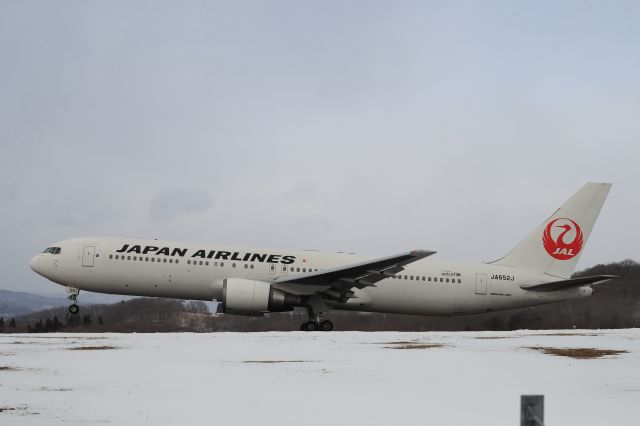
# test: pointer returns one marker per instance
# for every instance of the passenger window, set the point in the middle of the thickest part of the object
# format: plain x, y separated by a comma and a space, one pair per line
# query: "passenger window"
440, 279
177, 261
284, 269
110, 256
221, 264
246, 266
304, 269
188, 262
459, 281
164, 260
153, 259
298, 269
206, 263
447, 279
170, 260
411, 277
201, 263
117, 257
251, 266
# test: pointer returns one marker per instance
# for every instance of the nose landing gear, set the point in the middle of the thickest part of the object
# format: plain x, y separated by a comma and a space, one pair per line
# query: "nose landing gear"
73, 296
74, 309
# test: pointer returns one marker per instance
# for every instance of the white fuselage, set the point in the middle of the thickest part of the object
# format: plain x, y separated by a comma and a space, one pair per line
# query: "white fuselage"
196, 271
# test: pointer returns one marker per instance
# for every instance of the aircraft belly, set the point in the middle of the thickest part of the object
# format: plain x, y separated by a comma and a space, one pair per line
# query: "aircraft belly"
413, 299
141, 280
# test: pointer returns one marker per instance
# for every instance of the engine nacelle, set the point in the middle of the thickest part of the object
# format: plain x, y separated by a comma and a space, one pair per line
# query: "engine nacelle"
249, 297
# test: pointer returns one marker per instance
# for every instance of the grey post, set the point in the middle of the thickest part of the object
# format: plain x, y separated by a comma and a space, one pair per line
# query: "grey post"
532, 410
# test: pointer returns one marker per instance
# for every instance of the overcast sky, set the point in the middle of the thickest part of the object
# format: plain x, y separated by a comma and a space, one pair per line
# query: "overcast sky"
364, 126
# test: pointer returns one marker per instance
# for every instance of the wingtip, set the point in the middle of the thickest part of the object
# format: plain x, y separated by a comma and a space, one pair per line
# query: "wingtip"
423, 253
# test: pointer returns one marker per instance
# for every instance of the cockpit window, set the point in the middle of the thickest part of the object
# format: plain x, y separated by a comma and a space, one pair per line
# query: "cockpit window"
52, 250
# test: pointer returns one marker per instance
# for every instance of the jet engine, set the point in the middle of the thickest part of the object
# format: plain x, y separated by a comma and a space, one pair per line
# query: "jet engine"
249, 297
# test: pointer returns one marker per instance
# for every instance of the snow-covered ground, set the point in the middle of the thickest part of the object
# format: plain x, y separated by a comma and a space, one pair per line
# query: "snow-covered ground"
316, 378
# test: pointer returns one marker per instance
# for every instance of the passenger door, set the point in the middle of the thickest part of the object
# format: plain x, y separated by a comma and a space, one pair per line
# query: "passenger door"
481, 283
88, 255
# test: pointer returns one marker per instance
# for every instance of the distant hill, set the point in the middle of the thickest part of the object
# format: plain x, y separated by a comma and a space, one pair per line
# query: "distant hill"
17, 303
13, 303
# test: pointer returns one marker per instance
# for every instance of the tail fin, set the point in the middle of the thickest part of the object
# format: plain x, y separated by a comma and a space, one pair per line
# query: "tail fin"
555, 246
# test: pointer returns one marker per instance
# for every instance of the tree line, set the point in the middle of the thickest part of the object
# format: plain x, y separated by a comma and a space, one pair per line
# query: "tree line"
613, 305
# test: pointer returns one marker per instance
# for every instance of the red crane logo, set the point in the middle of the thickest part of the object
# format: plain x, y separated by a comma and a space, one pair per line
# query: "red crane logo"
558, 247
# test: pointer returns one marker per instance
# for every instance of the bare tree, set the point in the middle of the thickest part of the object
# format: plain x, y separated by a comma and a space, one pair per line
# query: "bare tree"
196, 307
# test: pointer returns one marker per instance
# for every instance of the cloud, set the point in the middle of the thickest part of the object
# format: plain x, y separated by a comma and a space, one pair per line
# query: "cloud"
173, 202
301, 192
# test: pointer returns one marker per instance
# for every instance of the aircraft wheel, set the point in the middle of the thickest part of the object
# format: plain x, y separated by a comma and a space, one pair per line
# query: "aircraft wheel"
74, 309
310, 326
326, 325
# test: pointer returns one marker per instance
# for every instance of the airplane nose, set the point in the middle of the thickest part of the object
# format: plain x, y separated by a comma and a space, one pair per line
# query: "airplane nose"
35, 263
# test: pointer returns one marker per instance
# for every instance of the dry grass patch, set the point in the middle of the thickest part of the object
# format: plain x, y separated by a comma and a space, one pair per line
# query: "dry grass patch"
493, 337
7, 368
92, 348
415, 345
56, 389
568, 334
32, 336
20, 410
274, 361
579, 353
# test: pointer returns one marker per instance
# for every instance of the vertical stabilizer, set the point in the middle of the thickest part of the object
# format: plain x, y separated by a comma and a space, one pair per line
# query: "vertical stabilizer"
555, 246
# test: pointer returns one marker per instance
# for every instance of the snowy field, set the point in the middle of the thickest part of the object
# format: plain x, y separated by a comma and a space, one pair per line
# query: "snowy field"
319, 378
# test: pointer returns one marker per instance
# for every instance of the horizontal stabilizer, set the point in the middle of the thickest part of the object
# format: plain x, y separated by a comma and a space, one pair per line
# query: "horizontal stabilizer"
564, 284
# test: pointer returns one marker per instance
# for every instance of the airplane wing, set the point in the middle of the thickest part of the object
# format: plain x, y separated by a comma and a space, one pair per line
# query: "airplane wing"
337, 283
564, 284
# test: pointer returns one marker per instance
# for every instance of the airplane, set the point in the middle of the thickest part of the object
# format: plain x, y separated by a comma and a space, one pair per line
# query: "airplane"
255, 281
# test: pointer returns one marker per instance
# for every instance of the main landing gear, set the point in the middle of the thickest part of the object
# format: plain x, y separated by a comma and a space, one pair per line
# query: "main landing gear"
325, 325
316, 308
73, 296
